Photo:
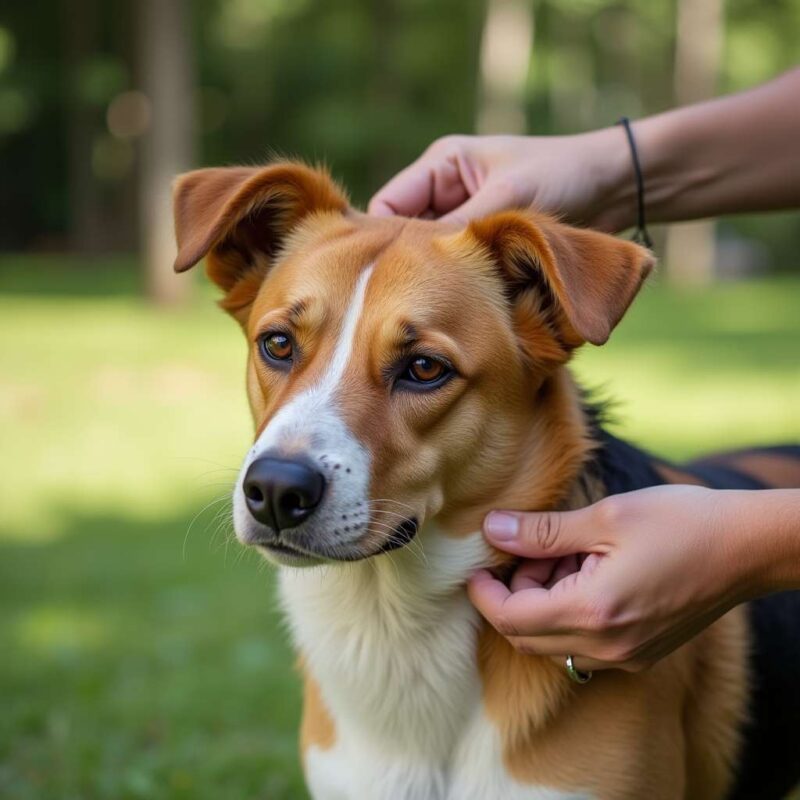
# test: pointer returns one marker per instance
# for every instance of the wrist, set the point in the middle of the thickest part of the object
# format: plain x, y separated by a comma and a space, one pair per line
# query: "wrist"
763, 528
677, 163
611, 172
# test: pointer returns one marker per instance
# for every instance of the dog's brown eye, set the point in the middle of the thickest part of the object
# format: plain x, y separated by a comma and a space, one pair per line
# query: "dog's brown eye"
277, 346
426, 370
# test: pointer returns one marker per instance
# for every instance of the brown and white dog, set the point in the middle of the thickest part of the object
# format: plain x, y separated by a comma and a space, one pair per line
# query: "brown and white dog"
405, 377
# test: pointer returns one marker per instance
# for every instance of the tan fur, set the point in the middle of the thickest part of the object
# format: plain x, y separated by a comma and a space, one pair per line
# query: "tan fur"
316, 728
623, 736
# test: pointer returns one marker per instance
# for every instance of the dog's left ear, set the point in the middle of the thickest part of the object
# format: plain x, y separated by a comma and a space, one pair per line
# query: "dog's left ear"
581, 280
239, 217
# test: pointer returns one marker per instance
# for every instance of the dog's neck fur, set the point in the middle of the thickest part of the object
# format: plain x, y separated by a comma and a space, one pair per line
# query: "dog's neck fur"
392, 641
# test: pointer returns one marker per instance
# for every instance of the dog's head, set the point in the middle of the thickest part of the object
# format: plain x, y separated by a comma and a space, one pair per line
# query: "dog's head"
396, 368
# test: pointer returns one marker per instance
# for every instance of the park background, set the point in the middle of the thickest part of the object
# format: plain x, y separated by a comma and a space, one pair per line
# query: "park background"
141, 654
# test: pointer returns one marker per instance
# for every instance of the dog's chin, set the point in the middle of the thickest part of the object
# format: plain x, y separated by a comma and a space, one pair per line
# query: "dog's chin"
287, 554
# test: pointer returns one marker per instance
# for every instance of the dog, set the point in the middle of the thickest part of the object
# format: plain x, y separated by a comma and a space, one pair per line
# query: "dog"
405, 377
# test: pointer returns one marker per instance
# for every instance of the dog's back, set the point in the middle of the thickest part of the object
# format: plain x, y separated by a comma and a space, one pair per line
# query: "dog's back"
768, 766
776, 467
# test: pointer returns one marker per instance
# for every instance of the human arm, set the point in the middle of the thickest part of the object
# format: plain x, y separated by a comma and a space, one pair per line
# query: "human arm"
738, 153
656, 567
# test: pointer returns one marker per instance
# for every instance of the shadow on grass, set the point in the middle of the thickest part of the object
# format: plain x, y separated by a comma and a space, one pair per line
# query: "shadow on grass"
130, 671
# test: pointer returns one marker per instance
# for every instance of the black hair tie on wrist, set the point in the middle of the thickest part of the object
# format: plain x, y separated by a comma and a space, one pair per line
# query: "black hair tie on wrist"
640, 235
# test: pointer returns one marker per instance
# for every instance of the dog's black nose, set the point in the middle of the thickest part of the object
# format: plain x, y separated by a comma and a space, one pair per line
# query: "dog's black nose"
282, 493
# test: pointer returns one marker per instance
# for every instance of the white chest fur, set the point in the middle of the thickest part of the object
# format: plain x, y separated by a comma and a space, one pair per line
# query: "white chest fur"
391, 643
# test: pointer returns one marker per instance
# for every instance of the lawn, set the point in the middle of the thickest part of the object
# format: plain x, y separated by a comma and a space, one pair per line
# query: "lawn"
142, 655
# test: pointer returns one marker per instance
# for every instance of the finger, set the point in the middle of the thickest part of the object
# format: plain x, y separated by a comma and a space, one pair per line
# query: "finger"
566, 566
533, 573
449, 186
408, 194
543, 534
489, 199
585, 664
557, 648
529, 612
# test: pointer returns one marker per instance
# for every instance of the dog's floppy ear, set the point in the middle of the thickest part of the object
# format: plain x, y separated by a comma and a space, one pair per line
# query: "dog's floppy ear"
238, 218
579, 282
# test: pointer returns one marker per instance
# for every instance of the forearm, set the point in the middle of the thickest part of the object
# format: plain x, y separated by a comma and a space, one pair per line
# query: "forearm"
764, 534
740, 153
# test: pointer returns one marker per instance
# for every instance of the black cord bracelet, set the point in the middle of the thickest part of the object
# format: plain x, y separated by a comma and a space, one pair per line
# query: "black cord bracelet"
640, 235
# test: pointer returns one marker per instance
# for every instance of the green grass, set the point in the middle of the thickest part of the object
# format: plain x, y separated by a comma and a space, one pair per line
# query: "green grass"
141, 655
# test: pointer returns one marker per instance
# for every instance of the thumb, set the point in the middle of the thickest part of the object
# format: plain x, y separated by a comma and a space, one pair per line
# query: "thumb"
487, 200
542, 534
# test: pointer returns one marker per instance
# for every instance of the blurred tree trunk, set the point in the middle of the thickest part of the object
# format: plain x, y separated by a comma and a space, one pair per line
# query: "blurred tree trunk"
504, 61
382, 87
690, 247
166, 69
85, 224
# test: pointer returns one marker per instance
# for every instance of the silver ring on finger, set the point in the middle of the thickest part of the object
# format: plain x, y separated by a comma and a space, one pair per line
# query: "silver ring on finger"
576, 675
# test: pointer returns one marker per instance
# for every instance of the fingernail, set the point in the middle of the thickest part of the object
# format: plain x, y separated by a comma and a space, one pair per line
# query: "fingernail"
502, 527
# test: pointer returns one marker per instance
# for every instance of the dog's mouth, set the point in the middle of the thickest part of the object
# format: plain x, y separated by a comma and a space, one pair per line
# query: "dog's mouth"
288, 554
293, 553
401, 535
282, 549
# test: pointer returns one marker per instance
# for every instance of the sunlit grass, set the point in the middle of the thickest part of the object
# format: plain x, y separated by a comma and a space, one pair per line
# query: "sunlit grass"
709, 369
142, 655
115, 407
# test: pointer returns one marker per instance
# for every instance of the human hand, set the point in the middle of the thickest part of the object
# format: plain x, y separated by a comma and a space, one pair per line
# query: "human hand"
622, 583
586, 178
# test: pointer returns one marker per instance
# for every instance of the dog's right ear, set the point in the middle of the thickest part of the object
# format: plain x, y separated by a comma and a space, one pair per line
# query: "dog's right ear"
238, 218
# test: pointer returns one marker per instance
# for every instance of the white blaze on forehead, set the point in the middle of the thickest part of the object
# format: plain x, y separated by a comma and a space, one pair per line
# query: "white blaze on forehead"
313, 416
319, 398
344, 347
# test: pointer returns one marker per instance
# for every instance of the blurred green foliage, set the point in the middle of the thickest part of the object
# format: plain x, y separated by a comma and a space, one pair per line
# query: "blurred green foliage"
142, 652
364, 86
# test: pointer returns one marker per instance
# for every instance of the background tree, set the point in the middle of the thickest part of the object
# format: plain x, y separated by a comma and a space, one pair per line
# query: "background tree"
505, 59
690, 246
167, 79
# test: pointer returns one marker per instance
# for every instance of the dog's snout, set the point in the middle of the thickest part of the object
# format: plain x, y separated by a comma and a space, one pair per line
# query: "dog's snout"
282, 492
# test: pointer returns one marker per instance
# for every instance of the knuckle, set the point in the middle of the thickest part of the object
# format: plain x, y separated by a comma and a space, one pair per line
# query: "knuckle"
599, 615
621, 653
447, 144
502, 624
524, 646
542, 530
636, 664
506, 187
611, 512
621, 650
